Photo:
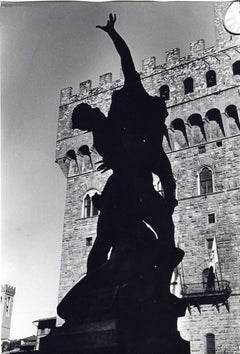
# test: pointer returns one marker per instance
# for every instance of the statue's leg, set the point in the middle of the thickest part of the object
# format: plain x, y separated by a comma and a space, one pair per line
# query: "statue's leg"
102, 245
106, 226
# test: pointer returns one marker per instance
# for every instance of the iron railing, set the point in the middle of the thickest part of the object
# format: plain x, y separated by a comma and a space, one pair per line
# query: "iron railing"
203, 288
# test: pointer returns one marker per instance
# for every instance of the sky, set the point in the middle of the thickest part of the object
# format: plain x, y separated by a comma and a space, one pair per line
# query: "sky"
48, 46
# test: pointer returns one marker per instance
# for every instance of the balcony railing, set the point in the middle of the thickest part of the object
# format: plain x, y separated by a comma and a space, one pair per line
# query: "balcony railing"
198, 294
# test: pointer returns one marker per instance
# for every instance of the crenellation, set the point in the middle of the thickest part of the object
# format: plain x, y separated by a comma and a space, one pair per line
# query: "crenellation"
148, 66
173, 56
105, 79
197, 48
65, 94
85, 87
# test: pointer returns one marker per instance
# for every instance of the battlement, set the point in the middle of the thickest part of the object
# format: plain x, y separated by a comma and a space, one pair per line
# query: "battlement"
149, 67
8, 290
209, 58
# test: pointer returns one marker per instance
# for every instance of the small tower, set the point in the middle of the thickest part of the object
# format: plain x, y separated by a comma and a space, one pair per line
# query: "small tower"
7, 295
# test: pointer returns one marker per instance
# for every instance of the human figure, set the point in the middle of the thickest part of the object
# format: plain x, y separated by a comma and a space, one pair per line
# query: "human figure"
130, 142
210, 280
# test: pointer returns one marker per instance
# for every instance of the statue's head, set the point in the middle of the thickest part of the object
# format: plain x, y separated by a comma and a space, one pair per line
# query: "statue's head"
84, 117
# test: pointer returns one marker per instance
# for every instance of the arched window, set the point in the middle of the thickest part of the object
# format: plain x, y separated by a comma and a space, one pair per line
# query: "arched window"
164, 92
206, 181
210, 343
89, 208
188, 85
236, 67
211, 78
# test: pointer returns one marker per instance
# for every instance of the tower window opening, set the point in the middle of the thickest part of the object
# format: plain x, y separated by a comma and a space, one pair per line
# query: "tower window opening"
164, 92
209, 243
89, 209
236, 67
7, 306
202, 149
219, 143
211, 218
210, 343
188, 85
206, 181
211, 78
87, 206
89, 241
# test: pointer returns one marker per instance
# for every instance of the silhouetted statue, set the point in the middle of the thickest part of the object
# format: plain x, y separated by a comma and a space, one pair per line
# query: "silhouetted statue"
129, 141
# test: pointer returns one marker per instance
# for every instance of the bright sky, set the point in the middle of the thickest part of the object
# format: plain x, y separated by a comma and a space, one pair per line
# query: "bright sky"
46, 47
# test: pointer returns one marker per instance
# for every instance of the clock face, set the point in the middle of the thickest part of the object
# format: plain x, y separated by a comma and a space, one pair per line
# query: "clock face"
232, 18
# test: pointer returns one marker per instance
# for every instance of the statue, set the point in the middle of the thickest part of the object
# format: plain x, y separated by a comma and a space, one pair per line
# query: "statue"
135, 221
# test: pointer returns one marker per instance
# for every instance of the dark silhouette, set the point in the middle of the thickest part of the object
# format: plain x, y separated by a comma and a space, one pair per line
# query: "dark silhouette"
135, 221
130, 142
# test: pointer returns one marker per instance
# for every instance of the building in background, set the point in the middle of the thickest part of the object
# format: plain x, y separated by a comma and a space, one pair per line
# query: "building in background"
202, 93
44, 326
7, 297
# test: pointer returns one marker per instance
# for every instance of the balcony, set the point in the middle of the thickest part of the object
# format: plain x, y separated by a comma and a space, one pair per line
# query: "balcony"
197, 294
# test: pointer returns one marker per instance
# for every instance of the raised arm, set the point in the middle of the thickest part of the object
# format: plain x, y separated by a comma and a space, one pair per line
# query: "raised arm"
127, 63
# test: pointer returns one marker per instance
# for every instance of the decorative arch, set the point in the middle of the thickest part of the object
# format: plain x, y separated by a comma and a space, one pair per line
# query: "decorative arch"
215, 115
71, 157
88, 208
188, 85
236, 67
205, 177
179, 125
164, 92
196, 120
231, 112
86, 158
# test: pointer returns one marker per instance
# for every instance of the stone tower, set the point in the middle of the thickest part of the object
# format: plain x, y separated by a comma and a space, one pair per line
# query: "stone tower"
202, 92
7, 296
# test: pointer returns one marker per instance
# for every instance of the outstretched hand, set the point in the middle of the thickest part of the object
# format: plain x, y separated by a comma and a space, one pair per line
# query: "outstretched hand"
110, 24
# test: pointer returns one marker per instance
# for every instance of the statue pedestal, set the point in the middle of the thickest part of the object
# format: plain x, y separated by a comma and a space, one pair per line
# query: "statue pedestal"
140, 318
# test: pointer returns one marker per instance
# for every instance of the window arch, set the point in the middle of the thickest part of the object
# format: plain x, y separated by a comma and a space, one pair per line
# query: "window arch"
164, 92
89, 209
205, 181
210, 343
211, 78
188, 85
71, 157
205, 275
236, 67
231, 112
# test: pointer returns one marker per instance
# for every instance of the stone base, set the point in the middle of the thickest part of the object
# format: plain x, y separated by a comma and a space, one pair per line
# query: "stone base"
139, 317
142, 329
106, 338
93, 337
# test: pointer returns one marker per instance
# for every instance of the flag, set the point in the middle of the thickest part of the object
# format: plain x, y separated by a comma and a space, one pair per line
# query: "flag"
213, 255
